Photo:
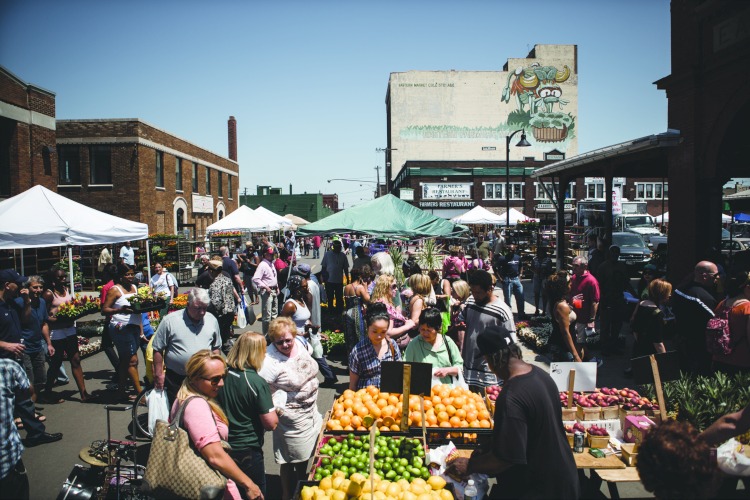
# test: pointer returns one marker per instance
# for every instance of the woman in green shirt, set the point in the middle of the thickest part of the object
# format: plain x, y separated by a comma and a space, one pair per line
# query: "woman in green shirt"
246, 400
433, 347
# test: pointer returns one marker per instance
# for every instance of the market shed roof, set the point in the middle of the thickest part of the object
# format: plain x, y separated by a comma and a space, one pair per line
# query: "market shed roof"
642, 157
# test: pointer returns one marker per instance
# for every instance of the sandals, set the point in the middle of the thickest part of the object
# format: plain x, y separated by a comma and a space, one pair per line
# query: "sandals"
19, 423
39, 417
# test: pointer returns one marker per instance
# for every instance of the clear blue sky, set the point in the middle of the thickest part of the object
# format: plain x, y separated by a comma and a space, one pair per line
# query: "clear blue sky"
307, 80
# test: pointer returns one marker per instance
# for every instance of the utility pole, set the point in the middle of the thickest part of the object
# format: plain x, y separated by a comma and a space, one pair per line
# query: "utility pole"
377, 188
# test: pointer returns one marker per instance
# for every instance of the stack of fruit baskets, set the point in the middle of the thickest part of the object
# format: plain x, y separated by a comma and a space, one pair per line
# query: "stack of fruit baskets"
147, 300
80, 306
450, 414
606, 405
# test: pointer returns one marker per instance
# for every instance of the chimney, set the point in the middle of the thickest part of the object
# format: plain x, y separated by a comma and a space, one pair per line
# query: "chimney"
290, 188
232, 132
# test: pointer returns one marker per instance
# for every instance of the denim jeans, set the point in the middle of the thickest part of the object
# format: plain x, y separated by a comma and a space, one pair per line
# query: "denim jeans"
514, 286
250, 461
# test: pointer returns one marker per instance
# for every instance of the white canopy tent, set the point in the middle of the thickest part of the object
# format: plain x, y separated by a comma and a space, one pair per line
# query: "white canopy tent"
298, 221
516, 216
663, 218
39, 218
479, 215
279, 220
243, 219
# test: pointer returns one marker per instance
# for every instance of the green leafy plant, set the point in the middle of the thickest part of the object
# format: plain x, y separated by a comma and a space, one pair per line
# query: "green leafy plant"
430, 256
551, 120
335, 338
397, 255
701, 400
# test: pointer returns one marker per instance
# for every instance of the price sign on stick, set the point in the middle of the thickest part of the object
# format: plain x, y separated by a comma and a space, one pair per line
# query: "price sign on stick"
584, 377
392, 377
655, 368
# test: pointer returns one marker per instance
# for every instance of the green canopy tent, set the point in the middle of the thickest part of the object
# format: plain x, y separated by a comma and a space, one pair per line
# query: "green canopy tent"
384, 217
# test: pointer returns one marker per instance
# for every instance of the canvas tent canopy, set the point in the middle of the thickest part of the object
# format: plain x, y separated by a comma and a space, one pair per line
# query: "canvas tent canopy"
40, 218
243, 219
384, 217
279, 220
299, 221
479, 215
516, 216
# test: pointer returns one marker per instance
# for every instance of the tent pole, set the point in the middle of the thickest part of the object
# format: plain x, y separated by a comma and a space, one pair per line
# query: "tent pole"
70, 269
148, 259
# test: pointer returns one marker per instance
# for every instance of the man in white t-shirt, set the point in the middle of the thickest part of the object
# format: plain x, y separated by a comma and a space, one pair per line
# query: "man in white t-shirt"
127, 254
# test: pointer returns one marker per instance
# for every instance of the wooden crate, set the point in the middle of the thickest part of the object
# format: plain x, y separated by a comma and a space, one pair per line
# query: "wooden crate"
610, 412
593, 413
629, 454
597, 441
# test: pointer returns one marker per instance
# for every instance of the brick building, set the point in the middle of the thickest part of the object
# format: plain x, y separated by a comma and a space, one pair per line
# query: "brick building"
27, 136
135, 170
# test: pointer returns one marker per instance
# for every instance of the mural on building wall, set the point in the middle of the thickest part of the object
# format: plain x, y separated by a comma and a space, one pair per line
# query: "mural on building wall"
537, 88
534, 99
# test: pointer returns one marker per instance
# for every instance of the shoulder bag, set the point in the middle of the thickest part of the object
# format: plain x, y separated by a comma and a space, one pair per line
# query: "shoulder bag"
175, 469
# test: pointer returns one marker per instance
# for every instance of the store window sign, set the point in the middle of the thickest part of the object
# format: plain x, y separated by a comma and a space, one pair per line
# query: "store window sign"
616, 205
203, 204
592, 180
446, 191
406, 194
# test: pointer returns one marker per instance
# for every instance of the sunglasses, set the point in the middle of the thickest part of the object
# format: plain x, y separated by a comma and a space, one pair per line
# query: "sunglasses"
284, 341
215, 380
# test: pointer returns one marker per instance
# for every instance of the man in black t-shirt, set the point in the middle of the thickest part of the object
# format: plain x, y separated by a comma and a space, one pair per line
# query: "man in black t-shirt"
529, 455
693, 305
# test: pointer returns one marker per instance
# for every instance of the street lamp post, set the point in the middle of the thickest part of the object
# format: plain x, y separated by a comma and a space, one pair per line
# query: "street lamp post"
387, 152
521, 144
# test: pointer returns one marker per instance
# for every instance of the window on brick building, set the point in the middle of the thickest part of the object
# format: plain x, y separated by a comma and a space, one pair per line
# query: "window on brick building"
178, 174
159, 169
651, 190
208, 181
100, 171
496, 191
219, 186
229, 187
195, 177
69, 165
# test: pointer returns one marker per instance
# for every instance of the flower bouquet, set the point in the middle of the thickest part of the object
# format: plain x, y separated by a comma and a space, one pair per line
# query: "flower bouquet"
80, 306
147, 300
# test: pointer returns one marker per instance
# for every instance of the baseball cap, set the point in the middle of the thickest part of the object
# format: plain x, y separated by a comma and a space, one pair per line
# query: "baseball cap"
303, 270
492, 339
11, 276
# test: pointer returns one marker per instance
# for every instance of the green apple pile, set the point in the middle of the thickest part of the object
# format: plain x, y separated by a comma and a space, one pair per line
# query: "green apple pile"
395, 457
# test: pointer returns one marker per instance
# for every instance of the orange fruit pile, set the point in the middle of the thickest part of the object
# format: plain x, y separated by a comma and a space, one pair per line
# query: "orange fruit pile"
445, 407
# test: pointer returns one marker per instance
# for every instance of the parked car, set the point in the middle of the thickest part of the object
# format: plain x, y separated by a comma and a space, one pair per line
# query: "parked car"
633, 251
734, 245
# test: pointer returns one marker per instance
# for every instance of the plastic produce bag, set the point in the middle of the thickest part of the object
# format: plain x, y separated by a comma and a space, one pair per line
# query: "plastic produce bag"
241, 318
732, 458
440, 457
158, 408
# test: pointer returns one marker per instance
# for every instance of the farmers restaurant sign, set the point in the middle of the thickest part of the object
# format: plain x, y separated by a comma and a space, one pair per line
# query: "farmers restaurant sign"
446, 191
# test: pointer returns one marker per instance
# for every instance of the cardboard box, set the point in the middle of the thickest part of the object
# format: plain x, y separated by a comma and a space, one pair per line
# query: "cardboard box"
636, 427
626, 413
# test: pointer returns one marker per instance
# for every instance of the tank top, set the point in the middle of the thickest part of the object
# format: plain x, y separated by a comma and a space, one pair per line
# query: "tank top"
122, 301
57, 301
301, 315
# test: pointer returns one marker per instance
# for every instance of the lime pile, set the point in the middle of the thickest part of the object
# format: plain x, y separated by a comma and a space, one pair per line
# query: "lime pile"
395, 457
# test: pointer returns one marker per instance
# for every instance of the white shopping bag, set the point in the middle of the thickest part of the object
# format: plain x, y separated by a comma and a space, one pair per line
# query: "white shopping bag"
158, 408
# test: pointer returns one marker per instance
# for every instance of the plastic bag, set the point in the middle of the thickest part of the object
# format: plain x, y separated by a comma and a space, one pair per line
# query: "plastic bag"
438, 458
240, 315
732, 458
158, 408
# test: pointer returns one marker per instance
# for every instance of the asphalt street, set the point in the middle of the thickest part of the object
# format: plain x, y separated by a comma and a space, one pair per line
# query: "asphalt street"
49, 465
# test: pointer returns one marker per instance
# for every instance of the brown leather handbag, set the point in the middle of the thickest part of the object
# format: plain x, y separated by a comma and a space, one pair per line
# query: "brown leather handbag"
175, 469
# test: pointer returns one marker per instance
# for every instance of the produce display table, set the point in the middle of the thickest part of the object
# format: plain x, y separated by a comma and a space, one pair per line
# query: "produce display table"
614, 476
586, 460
